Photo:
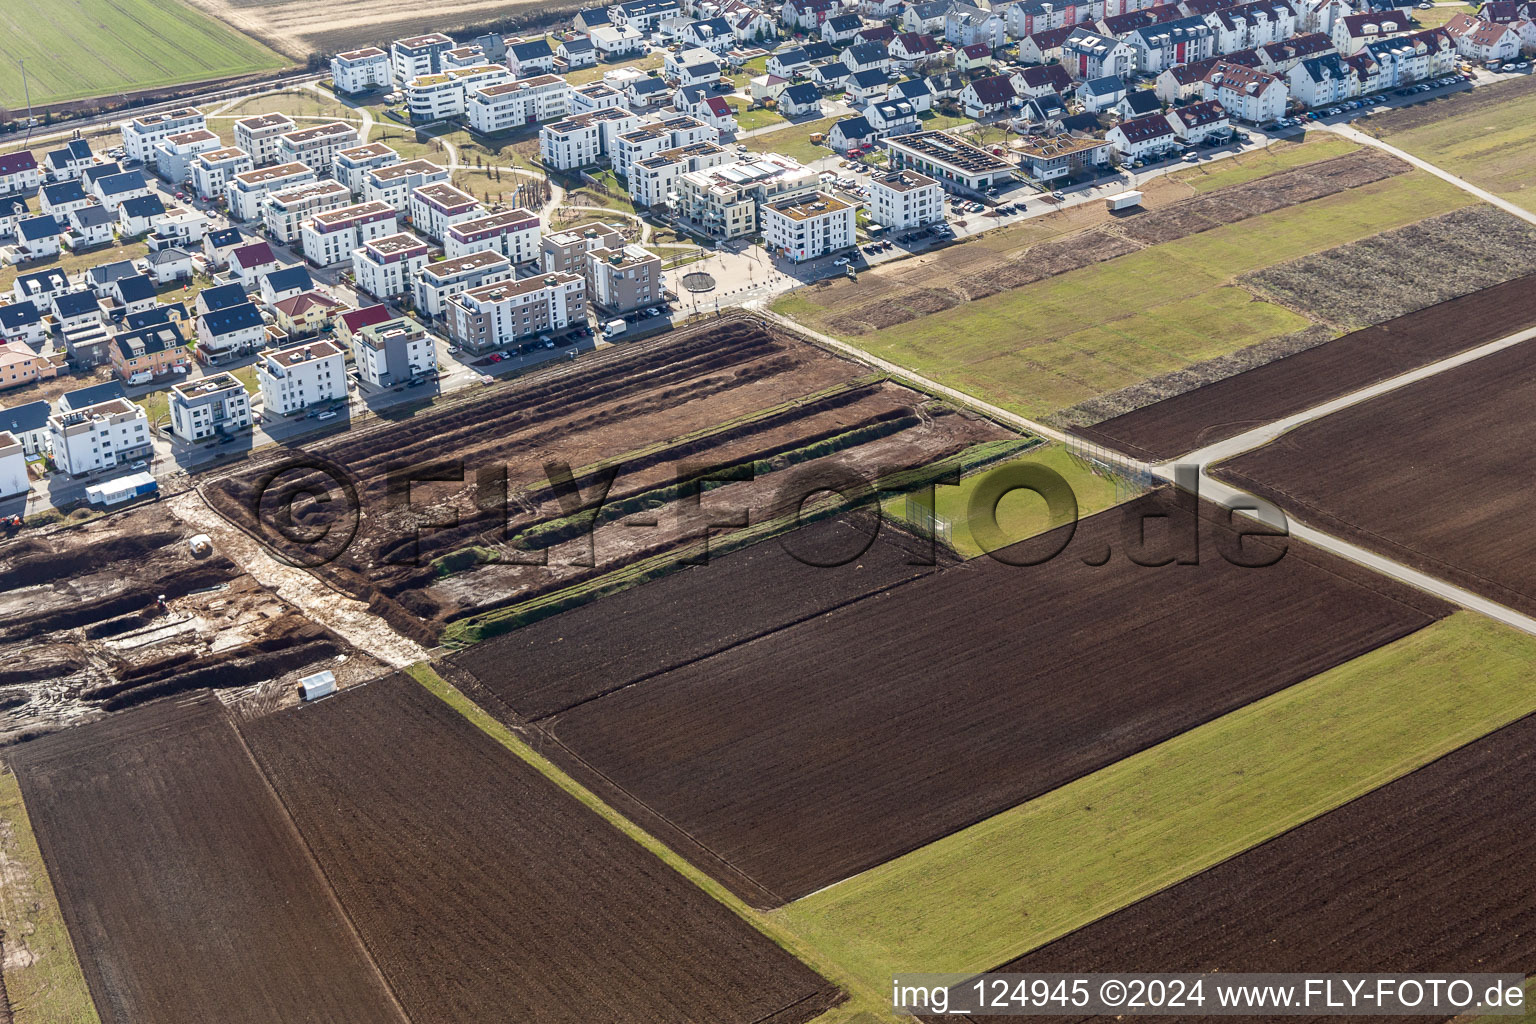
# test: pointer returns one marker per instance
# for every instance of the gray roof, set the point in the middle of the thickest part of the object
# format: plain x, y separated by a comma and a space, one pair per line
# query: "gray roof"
64, 192
854, 127
144, 206
82, 397
1106, 86
25, 418
117, 184
34, 228
106, 273
92, 216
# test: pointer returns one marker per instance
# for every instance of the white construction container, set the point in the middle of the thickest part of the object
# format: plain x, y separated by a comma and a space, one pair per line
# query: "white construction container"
321, 684
1122, 201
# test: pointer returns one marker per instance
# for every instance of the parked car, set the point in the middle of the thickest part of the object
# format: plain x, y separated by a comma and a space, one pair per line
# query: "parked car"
841, 261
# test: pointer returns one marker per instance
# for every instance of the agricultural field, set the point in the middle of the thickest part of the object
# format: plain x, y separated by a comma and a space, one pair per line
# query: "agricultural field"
1036, 872
753, 416
78, 49
1275, 390
796, 784
1072, 319
1431, 474
187, 892
1429, 873
1483, 135
83, 634
487, 893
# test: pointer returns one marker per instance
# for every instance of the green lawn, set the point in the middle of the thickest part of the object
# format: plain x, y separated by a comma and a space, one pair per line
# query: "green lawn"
77, 49
750, 120
1068, 338
981, 897
1020, 514
795, 141
1485, 135
1279, 156
595, 74
1440, 15
42, 975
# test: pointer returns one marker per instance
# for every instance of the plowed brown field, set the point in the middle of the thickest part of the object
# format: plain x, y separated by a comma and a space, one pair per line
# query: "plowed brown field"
187, 891
1228, 407
1430, 874
848, 738
1434, 475
486, 893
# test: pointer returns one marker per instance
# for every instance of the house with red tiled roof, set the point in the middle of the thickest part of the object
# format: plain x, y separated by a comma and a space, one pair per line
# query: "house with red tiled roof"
1481, 40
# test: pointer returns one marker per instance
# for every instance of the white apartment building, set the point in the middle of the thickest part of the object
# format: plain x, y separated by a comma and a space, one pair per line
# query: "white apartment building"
296, 378
594, 96
808, 228
100, 436
351, 166
503, 106
361, 70
387, 267
497, 315
211, 405
623, 280
443, 94
285, 211
653, 179
1247, 93
13, 466
248, 191
329, 238
212, 171
258, 135
143, 134
394, 183
903, 200
417, 55
436, 283
584, 139
514, 234
174, 153
392, 352
436, 208
723, 201
318, 145
649, 139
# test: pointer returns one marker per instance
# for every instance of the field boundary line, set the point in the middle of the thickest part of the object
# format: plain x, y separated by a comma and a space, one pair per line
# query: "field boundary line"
854, 990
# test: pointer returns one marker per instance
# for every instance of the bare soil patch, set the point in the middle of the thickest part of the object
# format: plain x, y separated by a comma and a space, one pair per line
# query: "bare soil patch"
845, 739
1432, 474
186, 890
1426, 874
487, 893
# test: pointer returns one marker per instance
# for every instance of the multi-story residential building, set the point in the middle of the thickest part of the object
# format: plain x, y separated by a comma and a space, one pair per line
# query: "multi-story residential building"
19, 172
1353, 31
1322, 81
622, 280
643, 15
723, 201
653, 180
513, 233
438, 282
1247, 94
565, 252
317, 145
21, 365
593, 96
295, 378
248, 191
174, 153
13, 466
649, 139
809, 227
68, 162
212, 171
100, 436
1196, 122
260, 135
285, 210
392, 352
28, 424
463, 57
496, 315
145, 353
443, 94
1141, 137
231, 331
1279, 58
1483, 41
948, 160
903, 200
417, 55
1413, 58
351, 166
502, 106
1029, 17
1160, 47
394, 183
1086, 54
436, 208
211, 405
386, 268
583, 140
329, 238
1251, 25
355, 71
142, 134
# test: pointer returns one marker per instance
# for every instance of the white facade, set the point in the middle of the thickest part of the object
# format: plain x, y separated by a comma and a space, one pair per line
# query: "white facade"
393, 184
98, 436
143, 134
351, 166
514, 234
902, 200
293, 379
393, 351
13, 466
258, 135
1247, 94
497, 315
438, 282
248, 192
285, 211
360, 70
584, 139
436, 208
443, 95
808, 228
330, 238
215, 404
650, 139
387, 267
503, 106
654, 179
212, 171
317, 145
174, 153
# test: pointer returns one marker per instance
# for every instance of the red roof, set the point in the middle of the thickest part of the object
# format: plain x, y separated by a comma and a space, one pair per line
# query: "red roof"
254, 255
360, 318
15, 162
305, 301
977, 50
719, 107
